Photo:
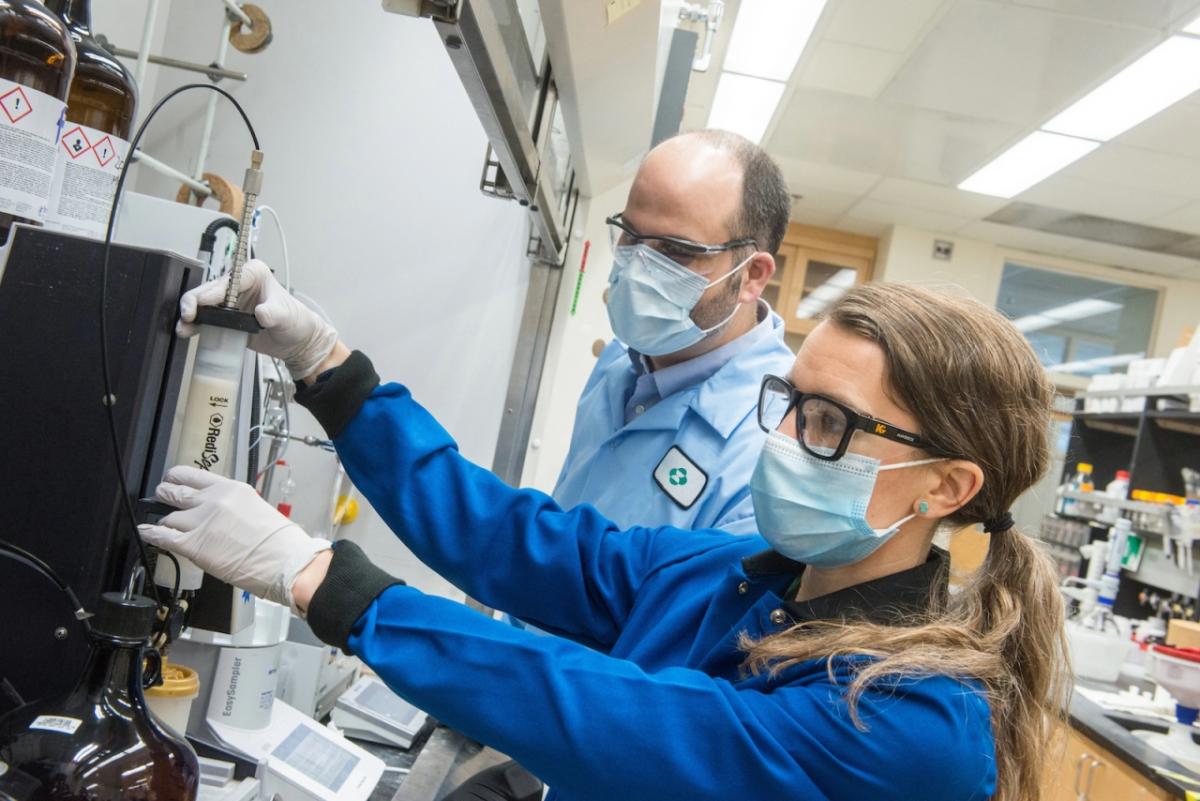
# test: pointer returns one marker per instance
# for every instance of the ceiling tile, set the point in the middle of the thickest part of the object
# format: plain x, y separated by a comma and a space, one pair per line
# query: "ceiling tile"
865, 227
1127, 203
1012, 63
1157, 14
1183, 219
838, 179
896, 214
1130, 166
1021, 238
884, 139
817, 200
849, 69
933, 197
882, 24
1171, 131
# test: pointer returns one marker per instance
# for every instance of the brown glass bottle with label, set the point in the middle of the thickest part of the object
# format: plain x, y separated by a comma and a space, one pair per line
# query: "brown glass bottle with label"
103, 94
100, 742
37, 63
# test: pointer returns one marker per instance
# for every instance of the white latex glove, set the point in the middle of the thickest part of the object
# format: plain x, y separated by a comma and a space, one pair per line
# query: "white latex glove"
232, 534
291, 331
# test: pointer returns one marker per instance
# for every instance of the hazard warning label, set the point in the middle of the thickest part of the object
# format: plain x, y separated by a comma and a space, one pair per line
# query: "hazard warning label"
85, 181
104, 151
76, 143
16, 104
31, 126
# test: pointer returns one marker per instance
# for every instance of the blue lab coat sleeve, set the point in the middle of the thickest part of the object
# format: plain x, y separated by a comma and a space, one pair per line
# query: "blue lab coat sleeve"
596, 727
568, 572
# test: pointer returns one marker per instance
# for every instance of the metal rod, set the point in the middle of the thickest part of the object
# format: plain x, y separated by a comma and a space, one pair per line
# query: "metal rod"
251, 186
141, 157
210, 111
190, 66
236, 11
143, 53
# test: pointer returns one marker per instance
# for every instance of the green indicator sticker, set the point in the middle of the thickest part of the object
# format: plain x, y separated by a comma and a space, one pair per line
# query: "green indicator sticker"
579, 278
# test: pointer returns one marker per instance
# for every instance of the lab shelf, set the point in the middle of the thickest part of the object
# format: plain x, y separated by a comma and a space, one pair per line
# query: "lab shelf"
1153, 445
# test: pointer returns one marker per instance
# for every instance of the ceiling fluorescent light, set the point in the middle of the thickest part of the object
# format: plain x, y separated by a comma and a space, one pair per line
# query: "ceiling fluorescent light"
1065, 313
744, 105
1029, 161
1162, 77
769, 36
1193, 27
1092, 364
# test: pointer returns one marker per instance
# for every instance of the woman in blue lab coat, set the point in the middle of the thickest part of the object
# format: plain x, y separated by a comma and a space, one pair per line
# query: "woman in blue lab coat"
824, 659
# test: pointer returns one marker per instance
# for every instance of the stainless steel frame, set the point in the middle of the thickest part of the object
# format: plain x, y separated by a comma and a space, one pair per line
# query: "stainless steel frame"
514, 98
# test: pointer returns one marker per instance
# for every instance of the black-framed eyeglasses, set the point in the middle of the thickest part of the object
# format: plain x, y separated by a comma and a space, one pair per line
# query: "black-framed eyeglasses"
673, 247
824, 427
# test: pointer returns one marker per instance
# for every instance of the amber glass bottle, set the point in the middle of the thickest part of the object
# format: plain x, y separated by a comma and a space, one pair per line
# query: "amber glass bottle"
37, 62
103, 95
100, 742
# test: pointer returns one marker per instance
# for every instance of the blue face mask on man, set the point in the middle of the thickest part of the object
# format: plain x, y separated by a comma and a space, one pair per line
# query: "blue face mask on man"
651, 298
815, 511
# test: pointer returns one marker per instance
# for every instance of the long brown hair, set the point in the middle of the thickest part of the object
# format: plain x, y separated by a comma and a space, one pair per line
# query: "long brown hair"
978, 391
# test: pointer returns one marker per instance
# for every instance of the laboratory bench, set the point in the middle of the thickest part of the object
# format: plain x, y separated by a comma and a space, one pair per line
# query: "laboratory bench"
1104, 761
430, 770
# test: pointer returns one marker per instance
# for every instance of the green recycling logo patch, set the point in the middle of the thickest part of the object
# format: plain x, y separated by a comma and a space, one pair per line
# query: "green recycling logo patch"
680, 478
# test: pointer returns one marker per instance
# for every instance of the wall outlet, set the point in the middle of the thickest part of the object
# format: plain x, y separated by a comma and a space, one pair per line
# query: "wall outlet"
619, 8
943, 249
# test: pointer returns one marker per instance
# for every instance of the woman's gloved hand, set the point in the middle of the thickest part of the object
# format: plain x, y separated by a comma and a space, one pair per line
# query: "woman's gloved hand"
232, 534
291, 331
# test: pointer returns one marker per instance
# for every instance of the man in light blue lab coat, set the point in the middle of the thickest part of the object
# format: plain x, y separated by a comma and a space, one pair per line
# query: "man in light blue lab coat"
665, 431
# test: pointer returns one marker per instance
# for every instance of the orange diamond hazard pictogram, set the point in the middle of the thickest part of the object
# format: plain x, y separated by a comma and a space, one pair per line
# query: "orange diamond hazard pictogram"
105, 152
75, 142
15, 104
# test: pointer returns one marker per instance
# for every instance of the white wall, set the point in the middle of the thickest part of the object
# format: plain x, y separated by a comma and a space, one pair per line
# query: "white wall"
372, 159
121, 21
906, 254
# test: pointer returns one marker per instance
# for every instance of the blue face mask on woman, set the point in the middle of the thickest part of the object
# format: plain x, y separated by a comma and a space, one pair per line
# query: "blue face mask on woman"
815, 511
650, 301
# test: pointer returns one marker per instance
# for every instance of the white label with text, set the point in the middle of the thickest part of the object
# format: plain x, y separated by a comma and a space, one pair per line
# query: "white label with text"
56, 723
85, 179
31, 124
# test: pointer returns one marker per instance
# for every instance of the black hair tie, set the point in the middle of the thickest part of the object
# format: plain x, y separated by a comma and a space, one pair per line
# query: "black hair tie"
998, 525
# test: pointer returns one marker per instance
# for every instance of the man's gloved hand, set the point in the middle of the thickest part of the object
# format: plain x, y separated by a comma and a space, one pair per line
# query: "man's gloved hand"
291, 331
232, 534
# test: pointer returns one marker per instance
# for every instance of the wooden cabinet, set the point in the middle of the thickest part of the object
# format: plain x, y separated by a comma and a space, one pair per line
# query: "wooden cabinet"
814, 266
1083, 771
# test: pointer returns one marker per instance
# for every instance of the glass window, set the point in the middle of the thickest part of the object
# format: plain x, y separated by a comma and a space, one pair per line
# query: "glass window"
1078, 325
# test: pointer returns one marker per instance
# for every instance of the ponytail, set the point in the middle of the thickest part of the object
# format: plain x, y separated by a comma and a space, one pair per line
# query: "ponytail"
1003, 628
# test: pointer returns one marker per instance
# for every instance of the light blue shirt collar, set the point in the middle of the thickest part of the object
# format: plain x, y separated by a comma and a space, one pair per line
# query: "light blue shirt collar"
651, 386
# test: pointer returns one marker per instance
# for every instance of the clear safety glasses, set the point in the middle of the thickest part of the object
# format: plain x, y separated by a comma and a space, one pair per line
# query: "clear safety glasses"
681, 251
824, 427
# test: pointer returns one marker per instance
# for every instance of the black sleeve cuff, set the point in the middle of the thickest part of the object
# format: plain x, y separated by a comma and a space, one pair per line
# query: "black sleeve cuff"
351, 585
337, 395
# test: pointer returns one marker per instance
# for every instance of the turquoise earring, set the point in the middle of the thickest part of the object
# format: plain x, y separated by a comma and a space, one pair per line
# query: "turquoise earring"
923, 507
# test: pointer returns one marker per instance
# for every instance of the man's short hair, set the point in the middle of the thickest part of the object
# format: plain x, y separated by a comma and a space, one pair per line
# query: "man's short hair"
766, 202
